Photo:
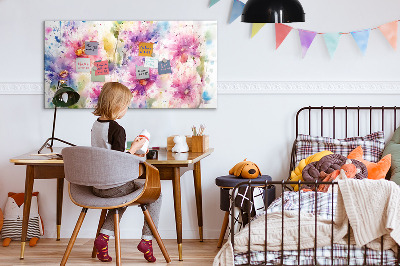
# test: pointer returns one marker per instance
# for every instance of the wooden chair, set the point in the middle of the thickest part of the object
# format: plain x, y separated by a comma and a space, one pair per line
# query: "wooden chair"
85, 167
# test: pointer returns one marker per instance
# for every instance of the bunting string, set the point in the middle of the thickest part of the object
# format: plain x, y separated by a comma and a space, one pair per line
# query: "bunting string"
361, 37
343, 33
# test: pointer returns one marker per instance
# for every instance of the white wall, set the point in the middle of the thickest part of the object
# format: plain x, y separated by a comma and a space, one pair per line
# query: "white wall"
259, 127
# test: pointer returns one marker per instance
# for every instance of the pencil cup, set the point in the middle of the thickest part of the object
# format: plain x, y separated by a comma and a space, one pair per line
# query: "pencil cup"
200, 143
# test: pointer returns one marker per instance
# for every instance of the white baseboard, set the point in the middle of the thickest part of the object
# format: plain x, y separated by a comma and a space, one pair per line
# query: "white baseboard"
260, 87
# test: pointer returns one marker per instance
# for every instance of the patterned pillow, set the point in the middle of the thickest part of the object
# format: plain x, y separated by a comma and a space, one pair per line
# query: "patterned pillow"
372, 144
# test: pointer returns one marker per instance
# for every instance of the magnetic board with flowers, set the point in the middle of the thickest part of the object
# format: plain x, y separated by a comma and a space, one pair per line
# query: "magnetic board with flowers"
166, 64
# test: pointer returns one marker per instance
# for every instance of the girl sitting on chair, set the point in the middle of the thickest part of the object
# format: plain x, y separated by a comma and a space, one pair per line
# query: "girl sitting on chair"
113, 103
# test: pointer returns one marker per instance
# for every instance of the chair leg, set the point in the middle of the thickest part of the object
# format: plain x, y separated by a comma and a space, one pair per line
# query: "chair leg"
101, 222
223, 229
154, 230
117, 239
73, 237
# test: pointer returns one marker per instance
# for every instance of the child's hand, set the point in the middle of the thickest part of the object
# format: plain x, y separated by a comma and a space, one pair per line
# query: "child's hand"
137, 144
143, 155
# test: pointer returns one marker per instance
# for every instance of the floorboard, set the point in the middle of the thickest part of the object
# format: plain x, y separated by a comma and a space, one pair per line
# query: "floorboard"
50, 252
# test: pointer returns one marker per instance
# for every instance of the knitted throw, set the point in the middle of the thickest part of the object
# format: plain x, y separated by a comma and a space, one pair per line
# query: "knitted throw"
373, 209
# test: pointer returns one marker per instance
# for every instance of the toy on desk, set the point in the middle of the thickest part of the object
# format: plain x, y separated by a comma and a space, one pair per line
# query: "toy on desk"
144, 134
245, 169
180, 144
180, 156
13, 215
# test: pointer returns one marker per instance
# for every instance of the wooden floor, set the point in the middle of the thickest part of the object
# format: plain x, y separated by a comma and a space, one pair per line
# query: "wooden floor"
50, 252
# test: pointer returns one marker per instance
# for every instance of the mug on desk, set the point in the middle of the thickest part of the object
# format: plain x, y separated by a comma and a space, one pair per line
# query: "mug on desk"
152, 155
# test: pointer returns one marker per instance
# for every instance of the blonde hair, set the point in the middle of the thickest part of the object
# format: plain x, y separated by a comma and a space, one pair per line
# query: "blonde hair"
113, 97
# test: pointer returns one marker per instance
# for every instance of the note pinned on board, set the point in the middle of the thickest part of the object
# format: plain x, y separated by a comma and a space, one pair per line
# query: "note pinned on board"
145, 49
99, 78
151, 62
142, 72
91, 48
102, 68
164, 67
83, 64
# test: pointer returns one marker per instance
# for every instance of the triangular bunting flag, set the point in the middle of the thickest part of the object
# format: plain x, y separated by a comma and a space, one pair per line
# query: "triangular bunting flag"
237, 8
390, 32
306, 39
332, 41
361, 37
281, 31
255, 28
213, 2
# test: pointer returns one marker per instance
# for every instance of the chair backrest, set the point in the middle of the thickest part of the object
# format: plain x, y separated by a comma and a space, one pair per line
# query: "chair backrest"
92, 166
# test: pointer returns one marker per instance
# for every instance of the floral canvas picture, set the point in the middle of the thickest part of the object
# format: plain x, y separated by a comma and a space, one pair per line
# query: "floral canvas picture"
165, 64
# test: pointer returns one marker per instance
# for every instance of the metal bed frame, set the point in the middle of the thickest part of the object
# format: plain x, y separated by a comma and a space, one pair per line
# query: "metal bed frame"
283, 184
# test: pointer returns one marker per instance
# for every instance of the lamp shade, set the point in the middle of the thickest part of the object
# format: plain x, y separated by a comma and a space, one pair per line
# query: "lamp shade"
65, 96
273, 11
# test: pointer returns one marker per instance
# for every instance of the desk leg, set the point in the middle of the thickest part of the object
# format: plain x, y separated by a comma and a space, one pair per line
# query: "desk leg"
27, 206
176, 182
60, 190
197, 189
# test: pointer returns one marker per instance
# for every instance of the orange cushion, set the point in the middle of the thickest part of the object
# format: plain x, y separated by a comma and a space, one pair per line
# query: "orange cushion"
375, 170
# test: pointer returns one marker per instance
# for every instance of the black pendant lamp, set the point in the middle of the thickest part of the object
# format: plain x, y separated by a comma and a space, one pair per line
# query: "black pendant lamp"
273, 11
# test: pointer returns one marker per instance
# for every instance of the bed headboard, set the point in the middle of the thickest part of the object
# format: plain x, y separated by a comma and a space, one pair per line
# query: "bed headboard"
345, 117
344, 121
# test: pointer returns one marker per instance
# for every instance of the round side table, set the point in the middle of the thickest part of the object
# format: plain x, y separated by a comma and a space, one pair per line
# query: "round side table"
228, 182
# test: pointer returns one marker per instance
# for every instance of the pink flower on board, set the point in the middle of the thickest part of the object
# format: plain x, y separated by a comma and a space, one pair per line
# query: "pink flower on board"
185, 45
187, 89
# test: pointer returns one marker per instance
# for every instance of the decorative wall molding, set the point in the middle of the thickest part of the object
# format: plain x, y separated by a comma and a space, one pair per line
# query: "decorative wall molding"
309, 87
260, 87
21, 88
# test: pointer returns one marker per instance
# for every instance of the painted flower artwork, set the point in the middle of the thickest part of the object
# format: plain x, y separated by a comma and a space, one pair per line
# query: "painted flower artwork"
165, 64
